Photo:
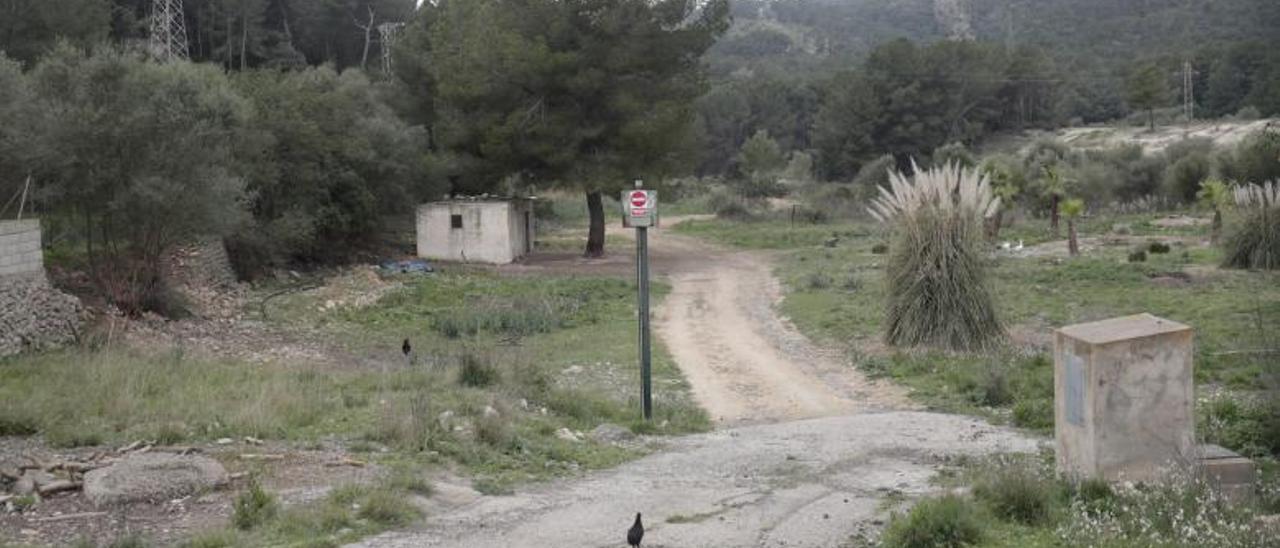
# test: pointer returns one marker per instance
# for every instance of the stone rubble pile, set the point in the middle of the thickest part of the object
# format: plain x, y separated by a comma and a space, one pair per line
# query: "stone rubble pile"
34, 315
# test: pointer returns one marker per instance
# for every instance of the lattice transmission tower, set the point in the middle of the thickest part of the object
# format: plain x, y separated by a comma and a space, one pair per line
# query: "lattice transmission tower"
387, 33
168, 40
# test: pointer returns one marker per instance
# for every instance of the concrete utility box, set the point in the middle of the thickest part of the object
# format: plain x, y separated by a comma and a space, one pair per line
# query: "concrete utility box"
496, 231
1228, 472
1123, 398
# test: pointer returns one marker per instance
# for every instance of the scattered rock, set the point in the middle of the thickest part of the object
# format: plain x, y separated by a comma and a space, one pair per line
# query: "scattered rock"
490, 412
572, 370
224, 441
152, 477
567, 435
611, 433
444, 419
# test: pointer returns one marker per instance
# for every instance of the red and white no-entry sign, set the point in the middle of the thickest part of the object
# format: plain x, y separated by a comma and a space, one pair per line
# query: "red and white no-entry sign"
639, 208
639, 199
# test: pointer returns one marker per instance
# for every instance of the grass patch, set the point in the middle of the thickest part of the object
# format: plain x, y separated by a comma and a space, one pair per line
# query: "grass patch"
1230, 310
347, 514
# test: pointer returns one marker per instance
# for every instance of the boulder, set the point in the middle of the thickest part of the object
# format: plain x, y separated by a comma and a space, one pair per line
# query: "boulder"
610, 433
152, 477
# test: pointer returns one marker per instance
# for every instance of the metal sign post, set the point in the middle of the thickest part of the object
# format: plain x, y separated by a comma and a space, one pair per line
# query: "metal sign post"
640, 210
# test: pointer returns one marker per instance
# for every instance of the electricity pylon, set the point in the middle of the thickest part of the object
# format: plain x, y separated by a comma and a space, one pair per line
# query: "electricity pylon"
168, 40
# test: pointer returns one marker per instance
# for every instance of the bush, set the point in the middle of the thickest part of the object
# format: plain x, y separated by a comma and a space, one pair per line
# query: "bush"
387, 509
1182, 179
946, 522
1139, 256
1158, 248
476, 372
880, 248
1255, 242
728, 206
1034, 413
253, 507
938, 293
1017, 493
1253, 159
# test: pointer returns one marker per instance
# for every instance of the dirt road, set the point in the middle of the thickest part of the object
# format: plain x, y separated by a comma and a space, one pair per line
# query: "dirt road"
771, 474
746, 364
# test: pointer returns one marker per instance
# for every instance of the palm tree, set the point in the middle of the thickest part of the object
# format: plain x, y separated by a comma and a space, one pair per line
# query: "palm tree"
1004, 184
1072, 209
1216, 195
1054, 185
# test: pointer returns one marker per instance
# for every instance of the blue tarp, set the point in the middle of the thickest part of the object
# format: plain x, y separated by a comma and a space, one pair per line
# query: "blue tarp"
419, 266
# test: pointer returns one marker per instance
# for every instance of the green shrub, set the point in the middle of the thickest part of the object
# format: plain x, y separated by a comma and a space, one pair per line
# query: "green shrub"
728, 206
1158, 248
946, 522
880, 248
253, 507
1017, 493
14, 424
1139, 256
995, 387
477, 372
494, 431
387, 509
1255, 243
1182, 179
937, 283
818, 281
1035, 413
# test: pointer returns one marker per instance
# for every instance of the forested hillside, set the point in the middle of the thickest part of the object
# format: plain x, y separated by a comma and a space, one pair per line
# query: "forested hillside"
855, 79
790, 34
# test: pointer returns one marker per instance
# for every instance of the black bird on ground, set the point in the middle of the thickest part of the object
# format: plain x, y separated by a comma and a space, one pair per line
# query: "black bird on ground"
636, 532
406, 348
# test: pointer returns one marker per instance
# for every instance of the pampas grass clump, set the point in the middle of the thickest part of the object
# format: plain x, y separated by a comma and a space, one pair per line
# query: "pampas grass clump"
1255, 243
938, 294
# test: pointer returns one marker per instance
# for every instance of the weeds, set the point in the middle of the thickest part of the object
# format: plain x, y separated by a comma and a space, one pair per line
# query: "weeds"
946, 522
1017, 492
253, 508
476, 372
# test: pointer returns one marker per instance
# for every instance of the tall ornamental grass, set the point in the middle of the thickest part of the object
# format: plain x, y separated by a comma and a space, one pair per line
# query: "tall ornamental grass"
1255, 243
938, 293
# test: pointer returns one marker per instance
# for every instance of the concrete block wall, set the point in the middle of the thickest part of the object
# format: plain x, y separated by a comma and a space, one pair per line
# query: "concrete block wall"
20, 248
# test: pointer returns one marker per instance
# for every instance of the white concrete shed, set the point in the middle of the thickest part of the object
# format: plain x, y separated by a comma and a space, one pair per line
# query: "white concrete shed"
480, 230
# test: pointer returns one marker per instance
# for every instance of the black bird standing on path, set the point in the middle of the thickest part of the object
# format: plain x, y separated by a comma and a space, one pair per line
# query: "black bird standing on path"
407, 349
636, 532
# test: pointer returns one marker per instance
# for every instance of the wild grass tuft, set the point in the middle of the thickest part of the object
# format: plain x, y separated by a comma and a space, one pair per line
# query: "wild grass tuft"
937, 291
1255, 242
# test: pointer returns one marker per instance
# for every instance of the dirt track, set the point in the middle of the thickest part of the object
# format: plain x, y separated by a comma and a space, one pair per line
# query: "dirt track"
746, 364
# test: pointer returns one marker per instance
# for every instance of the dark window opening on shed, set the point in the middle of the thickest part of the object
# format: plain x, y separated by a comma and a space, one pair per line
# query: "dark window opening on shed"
455, 221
